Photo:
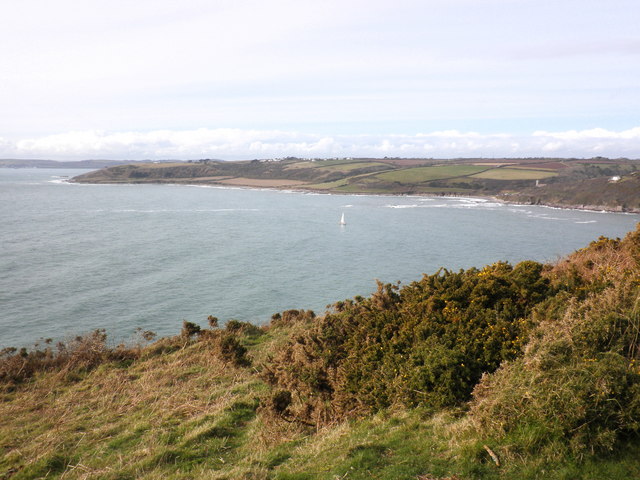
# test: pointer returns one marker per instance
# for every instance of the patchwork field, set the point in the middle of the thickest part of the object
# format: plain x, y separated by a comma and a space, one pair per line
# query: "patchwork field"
514, 174
580, 183
348, 167
423, 174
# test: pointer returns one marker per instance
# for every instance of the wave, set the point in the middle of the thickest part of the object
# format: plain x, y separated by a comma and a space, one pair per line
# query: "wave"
465, 205
471, 199
544, 216
485, 206
195, 210
58, 180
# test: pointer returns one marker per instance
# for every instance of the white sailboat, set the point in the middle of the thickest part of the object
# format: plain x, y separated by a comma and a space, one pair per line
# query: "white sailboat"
342, 222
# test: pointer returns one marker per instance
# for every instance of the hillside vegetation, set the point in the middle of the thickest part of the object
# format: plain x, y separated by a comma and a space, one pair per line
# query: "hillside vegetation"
524, 371
597, 183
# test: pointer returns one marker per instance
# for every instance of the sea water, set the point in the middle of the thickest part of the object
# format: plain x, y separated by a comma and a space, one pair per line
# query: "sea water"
79, 257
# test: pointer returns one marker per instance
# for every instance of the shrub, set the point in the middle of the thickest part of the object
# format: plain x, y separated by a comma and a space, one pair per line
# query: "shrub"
83, 353
427, 343
189, 329
578, 383
242, 328
289, 317
231, 350
278, 403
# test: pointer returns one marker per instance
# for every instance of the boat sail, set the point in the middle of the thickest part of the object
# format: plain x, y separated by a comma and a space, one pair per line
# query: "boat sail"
342, 222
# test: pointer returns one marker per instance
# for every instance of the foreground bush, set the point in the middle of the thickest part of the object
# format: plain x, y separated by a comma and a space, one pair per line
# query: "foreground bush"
427, 343
578, 383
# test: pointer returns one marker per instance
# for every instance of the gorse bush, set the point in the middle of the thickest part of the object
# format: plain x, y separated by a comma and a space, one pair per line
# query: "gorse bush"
244, 328
189, 329
226, 343
578, 383
427, 343
291, 316
551, 353
231, 350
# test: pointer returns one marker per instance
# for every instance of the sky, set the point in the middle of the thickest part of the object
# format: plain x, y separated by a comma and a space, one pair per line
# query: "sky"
245, 79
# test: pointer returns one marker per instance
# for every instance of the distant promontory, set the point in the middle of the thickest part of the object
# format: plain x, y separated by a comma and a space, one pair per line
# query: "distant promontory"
596, 183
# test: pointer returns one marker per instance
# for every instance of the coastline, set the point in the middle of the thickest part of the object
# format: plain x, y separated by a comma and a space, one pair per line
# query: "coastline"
584, 208
301, 189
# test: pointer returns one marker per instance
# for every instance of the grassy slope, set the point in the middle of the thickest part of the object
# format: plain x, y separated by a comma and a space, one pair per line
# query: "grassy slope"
187, 415
182, 408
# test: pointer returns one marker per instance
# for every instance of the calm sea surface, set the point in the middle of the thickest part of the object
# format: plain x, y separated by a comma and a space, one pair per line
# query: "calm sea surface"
79, 257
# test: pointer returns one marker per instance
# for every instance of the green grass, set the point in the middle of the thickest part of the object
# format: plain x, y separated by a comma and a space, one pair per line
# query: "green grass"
424, 174
391, 446
328, 185
514, 174
183, 414
524, 167
169, 413
347, 167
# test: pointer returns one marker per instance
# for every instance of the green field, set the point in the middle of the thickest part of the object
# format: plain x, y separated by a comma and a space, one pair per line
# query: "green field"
347, 167
514, 174
542, 169
328, 185
424, 174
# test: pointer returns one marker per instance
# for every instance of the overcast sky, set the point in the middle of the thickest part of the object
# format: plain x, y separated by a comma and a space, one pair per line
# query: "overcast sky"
251, 79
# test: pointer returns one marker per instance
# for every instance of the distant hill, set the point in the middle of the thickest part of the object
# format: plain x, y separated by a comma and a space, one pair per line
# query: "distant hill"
596, 183
36, 163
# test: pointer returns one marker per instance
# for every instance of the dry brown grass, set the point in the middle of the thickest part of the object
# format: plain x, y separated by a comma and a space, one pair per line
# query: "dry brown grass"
605, 259
152, 394
83, 353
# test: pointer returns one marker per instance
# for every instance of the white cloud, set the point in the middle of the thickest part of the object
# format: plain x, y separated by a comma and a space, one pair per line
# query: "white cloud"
551, 147
228, 143
599, 133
